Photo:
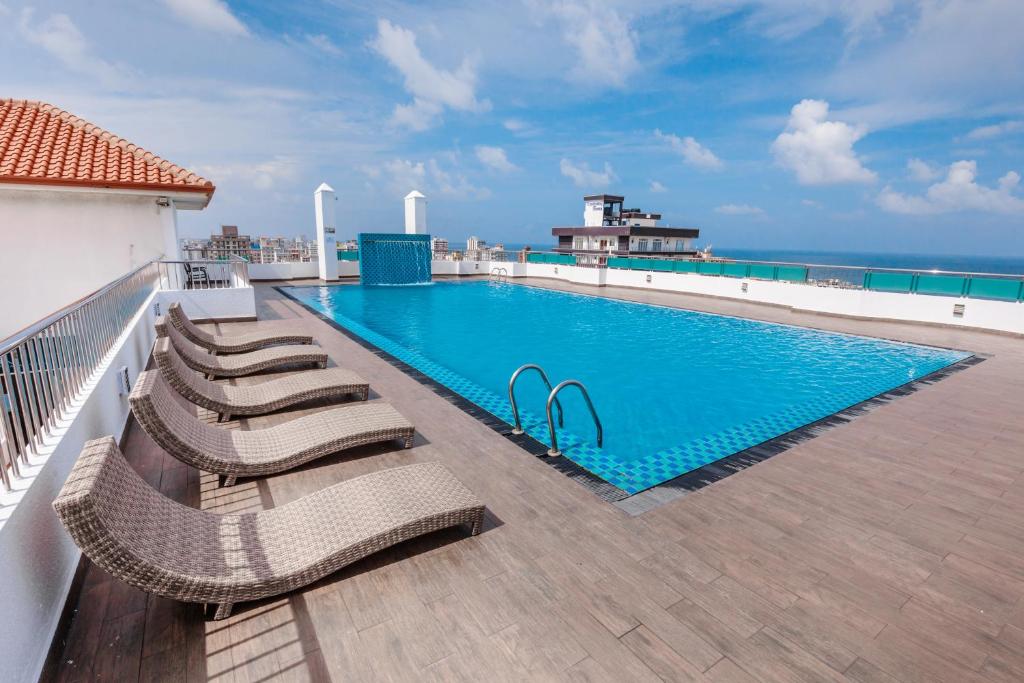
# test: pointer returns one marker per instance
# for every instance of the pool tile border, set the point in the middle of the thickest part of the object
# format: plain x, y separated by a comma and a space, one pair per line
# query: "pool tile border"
694, 480
677, 487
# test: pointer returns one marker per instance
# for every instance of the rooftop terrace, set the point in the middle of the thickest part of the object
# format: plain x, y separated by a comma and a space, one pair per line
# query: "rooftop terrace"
887, 548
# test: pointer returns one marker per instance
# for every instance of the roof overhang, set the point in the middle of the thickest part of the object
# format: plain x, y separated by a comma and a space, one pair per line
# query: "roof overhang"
186, 198
594, 231
624, 230
658, 231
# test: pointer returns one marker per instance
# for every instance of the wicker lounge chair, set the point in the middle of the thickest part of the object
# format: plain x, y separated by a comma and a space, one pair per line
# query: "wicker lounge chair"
160, 546
234, 453
239, 364
230, 343
266, 397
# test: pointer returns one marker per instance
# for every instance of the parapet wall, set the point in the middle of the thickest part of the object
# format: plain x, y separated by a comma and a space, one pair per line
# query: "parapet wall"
1001, 316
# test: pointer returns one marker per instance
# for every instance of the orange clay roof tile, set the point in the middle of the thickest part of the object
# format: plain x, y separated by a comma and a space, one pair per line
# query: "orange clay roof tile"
41, 144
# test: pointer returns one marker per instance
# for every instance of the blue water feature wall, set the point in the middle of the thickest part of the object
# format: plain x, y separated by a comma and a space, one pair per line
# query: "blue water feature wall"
393, 258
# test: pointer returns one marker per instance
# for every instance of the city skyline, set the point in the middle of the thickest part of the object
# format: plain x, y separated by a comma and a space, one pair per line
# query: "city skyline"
888, 126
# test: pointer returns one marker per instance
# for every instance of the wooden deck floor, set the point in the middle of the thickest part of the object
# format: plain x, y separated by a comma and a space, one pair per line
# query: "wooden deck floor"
889, 548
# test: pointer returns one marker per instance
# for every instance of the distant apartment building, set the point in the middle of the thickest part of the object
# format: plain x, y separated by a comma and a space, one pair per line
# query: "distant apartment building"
256, 250
277, 249
609, 229
193, 249
439, 245
478, 249
229, 243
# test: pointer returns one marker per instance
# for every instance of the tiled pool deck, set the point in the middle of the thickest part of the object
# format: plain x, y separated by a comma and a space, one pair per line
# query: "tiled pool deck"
890, 547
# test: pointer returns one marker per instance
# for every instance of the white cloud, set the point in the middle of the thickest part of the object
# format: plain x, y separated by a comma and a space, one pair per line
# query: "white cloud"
657, 187
454, 184
692, 151
820, 151
788, 19
582, 176
209, 15
59, 36
262, 175
495, 158
420, 115
520, 128
403, 175
958, 192
321, 42
995, 130
811, 203
604, 43
922, 171
432, 88
954, 54
739, 210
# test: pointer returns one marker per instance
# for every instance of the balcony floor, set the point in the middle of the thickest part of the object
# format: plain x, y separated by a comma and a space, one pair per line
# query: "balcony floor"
888, 548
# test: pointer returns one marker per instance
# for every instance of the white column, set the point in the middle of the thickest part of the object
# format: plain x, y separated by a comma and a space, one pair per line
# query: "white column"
415, 214
327, 247
169, 227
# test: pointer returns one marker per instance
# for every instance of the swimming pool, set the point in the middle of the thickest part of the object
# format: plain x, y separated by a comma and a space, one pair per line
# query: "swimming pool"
675, 389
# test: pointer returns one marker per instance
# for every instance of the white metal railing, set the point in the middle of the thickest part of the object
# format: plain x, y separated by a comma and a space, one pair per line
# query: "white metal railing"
229, 274
486, 254
46, 366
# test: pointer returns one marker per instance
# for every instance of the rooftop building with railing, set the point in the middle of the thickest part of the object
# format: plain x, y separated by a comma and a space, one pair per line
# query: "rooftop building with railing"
609, 229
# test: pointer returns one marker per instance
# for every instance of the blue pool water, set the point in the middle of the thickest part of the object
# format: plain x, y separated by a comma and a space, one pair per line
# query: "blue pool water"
675, 389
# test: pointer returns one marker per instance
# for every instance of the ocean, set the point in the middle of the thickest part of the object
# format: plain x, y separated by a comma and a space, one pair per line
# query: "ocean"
959, 263
952, 262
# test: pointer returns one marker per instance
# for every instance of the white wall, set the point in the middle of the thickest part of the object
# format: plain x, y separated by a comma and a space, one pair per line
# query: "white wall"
204, 304
1005, 316
57, 247
289, 270
994, 315
298, 271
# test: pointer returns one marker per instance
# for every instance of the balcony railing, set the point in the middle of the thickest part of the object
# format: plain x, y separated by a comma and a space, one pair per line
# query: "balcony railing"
228, 274
45, 367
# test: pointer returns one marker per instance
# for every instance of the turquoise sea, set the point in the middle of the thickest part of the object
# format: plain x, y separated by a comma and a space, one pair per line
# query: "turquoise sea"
951, 262
960, 263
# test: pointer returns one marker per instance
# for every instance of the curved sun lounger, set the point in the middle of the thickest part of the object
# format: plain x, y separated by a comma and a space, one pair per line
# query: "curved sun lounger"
160, 546
242, 363
230, 343
266, 397
233, 453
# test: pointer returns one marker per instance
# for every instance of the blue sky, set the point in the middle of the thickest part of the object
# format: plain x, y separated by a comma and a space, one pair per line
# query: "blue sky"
859, 125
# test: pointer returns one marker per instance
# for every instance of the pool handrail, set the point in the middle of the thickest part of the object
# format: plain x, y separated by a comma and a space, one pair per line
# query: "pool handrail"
518, 429
553, 397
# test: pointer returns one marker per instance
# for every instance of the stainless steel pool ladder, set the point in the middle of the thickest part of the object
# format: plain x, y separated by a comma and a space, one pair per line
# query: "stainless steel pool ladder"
498, 274
518, 429
553, 398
